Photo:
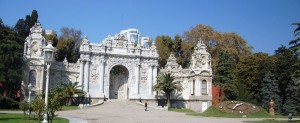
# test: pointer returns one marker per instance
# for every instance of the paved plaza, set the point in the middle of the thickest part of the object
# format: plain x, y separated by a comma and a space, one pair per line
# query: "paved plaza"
130, 112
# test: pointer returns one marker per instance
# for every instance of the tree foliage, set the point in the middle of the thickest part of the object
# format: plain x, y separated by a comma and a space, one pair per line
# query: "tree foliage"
167, 84
68, 45
55, 102
270, 90
223, 76
22, 26
234, 44
71, 89
11, 61
250, 71
164, 45
38, 106
296, 42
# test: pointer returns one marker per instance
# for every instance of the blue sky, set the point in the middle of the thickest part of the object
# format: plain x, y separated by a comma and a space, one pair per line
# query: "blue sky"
265, 24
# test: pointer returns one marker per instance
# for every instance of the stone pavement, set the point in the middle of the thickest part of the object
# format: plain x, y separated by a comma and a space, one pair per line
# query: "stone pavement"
129, 112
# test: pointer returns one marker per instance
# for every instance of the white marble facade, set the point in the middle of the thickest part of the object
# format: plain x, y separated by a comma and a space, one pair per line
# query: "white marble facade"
196, 80
124, 66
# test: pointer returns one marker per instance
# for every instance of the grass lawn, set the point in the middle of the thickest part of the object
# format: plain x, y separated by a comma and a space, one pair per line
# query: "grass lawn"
182, 110
273, 121
213, 112
19, 118
65, 108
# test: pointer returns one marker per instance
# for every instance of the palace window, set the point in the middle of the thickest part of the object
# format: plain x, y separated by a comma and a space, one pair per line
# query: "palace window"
32, 78
204, 87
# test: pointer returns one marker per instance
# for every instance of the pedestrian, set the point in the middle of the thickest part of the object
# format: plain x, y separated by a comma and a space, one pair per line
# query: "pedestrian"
146, 105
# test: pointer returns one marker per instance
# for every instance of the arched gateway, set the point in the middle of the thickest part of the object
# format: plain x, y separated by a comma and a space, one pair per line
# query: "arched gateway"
122, 67
118, 82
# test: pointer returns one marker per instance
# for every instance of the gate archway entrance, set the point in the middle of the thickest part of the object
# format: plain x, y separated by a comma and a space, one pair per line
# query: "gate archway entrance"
118, 79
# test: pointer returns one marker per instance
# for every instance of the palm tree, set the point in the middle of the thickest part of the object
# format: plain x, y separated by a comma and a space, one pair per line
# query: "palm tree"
166, 83
70, 89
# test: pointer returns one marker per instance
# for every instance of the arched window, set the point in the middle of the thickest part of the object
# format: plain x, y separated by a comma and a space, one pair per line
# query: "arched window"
204, 87
32, 78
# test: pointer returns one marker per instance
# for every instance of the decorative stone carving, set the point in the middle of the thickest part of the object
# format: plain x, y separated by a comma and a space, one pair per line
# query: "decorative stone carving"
94, 74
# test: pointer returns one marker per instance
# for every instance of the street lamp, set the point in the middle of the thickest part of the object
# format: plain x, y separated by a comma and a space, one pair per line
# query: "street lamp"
29, 93
48, 58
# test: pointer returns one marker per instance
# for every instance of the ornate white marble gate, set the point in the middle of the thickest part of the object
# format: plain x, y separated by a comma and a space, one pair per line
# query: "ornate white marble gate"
134, 58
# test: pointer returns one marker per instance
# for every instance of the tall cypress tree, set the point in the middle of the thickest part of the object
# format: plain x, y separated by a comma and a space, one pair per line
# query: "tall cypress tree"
22, 26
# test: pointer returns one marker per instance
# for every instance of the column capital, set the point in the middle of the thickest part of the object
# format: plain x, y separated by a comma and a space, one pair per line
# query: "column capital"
138, 65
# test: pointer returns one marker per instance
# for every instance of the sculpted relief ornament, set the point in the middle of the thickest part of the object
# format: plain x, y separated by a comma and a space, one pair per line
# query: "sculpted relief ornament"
94, 74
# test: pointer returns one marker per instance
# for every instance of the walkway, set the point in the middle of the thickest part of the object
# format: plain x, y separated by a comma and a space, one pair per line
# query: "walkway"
129, 112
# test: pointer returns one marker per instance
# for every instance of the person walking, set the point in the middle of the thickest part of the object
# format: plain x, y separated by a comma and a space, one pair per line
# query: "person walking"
146, 105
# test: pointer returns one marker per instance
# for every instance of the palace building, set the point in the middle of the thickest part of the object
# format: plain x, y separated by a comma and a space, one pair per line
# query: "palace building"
122, 67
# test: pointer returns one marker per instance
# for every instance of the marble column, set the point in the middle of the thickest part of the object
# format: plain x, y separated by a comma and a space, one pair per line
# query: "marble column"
81, 74
137, 78
41, 79
28, 50
197, 87
25, 48
86, 76
101, 74
154, 79
150, 82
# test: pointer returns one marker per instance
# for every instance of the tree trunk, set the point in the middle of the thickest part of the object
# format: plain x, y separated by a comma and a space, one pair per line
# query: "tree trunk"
69, 101
168, 101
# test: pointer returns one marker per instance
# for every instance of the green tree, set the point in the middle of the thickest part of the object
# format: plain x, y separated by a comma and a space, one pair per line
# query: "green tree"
296, 42
38, 106
216, 42
65, 50
55, 99
167, 84
242, 93
68, 45
295, 46
70, 89
72, 33
52, 38
290, 102
284, 71
164, 45
176, 48
11, 62
24, 106
250, 72
22, 26
270, 90
223, 76
187, 49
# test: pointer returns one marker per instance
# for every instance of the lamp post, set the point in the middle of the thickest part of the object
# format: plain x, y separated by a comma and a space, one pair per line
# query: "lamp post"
48, 58
29, 94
